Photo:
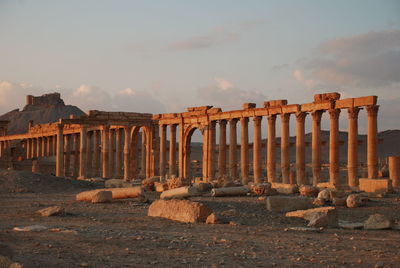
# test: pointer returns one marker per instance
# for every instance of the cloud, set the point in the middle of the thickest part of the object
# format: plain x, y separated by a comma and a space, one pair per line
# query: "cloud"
361, 61
299, 76
216, 37
132, 100
224, 94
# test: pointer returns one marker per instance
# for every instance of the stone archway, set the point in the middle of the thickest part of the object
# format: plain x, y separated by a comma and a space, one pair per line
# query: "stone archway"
187, 150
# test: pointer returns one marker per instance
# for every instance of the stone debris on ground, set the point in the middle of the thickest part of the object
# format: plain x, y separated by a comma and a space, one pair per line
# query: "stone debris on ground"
31, 228
377, 222
230, 191
317, 217
181, 192
149, 183
160, 186
284, 188
308, 190
6, 262
214, 218
263, 189
203, 187
179, 210
52, 211
288, 203
325, 195
117, 193
176, 182
102, 197
117, 183
350, 225
354, 201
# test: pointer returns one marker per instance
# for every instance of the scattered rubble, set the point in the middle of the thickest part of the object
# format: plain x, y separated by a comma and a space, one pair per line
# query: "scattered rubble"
52, 211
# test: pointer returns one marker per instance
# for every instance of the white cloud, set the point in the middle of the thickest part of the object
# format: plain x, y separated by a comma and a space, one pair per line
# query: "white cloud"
299, 76
223, 83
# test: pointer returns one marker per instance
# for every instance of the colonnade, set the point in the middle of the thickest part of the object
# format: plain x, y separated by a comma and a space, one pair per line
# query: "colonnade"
229, 168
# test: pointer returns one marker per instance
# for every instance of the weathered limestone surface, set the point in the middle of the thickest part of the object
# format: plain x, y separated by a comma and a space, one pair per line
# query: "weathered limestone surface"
51, 211
180, 192
288, 203
377, 222
179, 210
375, 185
394, 170
102, 197
117, 193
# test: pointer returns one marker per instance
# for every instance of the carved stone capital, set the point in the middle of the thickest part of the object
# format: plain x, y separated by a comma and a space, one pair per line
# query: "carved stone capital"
316, 115
334, 113
372, 110
353, 112
285, 117
300, 117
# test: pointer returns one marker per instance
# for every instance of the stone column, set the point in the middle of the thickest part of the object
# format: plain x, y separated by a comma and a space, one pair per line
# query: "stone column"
96, 153
143, 155
372, 153
67, 156
163, 150
271, 149
257, 149
39, 147
394, 170
83, 148
172, 150
54, 144
300, 150
233, 149
28, 148
44, 145
60, 151
118, 153
105, 147
244, 149
76, 154
316, 146
352, 147
34, 147
285, 148
211, 151
89, 154
49, 145
127, 152
222, 149
334, 148
112, 153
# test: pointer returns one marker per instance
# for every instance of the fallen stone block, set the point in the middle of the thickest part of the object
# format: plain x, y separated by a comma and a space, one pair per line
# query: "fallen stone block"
117, 193
230, 191
51, 211
308, 190
284, 188
338, 201
102, 197
202, 186
263, 189
117, 183
180, 192
149, 183
377, 222
375, 185
214, 218
351, 225
176, 182
354, 201
325, 195
160, 187
317, 217
179, 210
288, 203
5, 261
306, 213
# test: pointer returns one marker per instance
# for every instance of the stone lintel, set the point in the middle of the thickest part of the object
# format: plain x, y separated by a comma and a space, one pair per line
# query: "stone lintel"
375, 185
274, 103
199, 108
310, 107
248, 105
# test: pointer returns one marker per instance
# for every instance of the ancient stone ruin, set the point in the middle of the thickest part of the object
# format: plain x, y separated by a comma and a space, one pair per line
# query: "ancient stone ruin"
106, 144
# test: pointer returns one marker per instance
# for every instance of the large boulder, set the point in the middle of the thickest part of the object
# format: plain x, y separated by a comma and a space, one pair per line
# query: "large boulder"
288, 203
377, 222
179, 210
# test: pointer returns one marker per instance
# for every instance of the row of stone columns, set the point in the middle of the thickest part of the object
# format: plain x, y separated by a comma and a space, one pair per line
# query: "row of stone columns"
101, 152
209, 147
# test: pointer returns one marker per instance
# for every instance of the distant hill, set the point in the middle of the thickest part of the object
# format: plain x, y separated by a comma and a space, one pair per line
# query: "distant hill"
43, 109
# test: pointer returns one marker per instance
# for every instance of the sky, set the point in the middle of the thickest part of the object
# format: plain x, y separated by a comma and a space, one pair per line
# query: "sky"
164, 56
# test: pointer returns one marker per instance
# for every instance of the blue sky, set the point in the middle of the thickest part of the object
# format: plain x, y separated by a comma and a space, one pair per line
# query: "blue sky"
163, 56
